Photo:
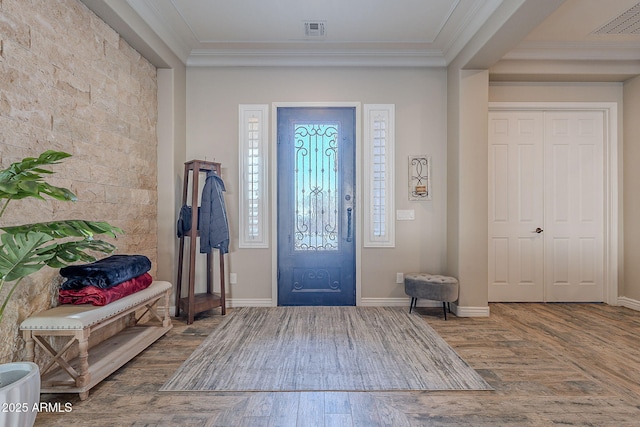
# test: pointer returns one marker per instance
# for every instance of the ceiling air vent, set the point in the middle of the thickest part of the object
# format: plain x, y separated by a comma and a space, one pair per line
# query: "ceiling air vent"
314, 29
627, 23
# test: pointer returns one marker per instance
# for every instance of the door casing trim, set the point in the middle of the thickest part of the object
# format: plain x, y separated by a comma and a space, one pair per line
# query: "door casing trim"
274, 189
612, 229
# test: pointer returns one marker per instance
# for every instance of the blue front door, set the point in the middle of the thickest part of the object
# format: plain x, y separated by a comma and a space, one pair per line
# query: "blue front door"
316, 210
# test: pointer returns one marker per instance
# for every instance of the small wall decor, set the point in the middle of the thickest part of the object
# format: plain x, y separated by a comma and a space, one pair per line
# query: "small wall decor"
419, 177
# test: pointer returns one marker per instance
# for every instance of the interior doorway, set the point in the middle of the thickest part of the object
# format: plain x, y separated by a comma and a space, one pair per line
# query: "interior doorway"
549, 205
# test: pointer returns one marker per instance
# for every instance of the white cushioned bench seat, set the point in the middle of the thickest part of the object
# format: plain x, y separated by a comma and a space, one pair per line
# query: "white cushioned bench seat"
144, 325
81, 316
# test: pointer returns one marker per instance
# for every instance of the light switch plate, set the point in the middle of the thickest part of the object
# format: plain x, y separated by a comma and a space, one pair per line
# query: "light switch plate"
405, 215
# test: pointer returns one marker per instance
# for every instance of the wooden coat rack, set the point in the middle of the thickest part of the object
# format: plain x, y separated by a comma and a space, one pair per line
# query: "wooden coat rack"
195, 303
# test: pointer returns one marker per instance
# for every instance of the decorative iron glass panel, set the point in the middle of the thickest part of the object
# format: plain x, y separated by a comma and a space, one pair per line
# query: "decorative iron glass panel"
316, 187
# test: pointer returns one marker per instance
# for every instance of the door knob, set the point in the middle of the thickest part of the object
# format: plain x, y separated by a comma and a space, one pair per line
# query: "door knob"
539, 230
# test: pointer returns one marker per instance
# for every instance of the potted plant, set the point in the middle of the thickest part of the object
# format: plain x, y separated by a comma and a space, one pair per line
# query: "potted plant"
25, 249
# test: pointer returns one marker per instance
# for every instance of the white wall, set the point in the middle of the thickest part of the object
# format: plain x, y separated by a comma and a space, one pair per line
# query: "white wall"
213, 95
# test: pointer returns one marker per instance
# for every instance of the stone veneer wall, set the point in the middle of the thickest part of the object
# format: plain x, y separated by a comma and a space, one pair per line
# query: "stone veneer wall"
69, 82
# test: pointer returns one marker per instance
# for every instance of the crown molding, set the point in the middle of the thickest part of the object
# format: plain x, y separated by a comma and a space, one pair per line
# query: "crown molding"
302, 58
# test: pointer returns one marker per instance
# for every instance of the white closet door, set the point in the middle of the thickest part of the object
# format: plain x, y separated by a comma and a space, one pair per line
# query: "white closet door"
546, 205
574, 195
516, 192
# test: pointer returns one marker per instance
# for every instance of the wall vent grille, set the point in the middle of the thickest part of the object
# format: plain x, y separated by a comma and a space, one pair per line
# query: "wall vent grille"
314, 29
627, 23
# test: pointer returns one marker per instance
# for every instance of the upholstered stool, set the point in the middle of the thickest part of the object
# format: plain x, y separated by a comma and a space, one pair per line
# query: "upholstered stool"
432, 287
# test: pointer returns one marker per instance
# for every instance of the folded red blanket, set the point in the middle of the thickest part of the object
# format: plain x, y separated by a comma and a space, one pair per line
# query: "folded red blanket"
98, 296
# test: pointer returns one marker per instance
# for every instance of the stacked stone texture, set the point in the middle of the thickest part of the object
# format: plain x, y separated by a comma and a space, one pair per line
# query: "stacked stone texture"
69, 82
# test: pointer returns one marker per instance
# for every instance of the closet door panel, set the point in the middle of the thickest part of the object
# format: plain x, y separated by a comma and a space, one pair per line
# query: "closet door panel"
515, 206
574, 213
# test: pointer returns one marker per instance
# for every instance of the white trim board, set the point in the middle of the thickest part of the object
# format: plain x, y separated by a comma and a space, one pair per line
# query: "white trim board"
382, 302
396, 302
459, 311
631, 303
237, 302
470, 311
249, 302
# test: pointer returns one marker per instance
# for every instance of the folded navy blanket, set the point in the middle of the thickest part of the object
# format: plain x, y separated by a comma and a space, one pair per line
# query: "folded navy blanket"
105, 273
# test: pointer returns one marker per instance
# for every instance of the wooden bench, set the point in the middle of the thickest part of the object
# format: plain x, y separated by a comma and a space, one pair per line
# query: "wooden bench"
78, 322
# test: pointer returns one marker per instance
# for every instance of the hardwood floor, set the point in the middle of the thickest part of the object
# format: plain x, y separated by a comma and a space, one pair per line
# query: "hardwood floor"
550, 364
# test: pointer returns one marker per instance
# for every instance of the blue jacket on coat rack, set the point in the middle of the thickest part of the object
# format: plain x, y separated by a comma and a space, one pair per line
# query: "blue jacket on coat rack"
214, 228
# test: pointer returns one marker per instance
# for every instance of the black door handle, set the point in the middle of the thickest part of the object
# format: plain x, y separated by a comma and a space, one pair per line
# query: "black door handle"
349, 224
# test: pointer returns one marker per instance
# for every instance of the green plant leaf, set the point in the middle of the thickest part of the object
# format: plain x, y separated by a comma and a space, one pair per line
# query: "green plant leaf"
19, 255
25, 249
49, 157
67, 228
59, 255
25, 178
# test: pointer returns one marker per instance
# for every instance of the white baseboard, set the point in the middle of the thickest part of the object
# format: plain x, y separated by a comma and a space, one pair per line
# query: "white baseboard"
249, 302
237, 302
404, 302
396, 302
392, 302
470, 311
629, 303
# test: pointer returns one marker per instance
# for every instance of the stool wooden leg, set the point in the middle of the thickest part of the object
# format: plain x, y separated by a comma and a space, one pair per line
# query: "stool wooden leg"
412, 304
444, 308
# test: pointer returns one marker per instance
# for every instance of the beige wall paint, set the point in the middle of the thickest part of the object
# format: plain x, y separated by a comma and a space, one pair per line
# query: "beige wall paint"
171, 158
70, 83
631, 173
467, 205
554, 92
419, 95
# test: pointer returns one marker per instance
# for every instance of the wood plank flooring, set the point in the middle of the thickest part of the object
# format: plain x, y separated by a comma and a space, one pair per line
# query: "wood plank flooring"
550, 364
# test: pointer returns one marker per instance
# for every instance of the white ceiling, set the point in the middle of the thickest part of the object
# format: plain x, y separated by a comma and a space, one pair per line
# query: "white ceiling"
571, 32
388, 32
425, 32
